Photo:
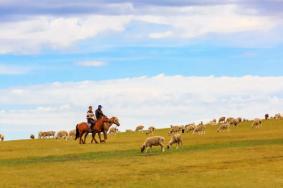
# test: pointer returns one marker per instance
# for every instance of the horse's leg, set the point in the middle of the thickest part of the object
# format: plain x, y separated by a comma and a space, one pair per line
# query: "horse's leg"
105, 135
100, 138
93, 137
85, 136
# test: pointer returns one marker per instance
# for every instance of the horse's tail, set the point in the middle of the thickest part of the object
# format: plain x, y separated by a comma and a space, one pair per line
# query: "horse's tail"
77, 132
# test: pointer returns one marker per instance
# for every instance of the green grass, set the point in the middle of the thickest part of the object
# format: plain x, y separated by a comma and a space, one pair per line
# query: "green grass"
243, 157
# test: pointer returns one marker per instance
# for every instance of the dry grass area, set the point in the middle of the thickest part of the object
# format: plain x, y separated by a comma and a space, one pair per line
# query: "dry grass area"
243, 157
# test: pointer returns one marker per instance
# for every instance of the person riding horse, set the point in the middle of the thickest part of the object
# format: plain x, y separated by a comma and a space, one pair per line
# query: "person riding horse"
98, 112
90, 117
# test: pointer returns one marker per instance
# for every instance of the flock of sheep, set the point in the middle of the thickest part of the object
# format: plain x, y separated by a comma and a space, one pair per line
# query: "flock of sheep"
59, 135
223, 124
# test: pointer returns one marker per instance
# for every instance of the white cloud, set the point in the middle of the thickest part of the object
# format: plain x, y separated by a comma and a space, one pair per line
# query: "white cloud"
12, 70
35, 33
91, 63
28, 36
159, 101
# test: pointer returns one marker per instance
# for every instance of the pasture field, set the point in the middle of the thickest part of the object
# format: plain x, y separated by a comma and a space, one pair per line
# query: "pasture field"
243, 157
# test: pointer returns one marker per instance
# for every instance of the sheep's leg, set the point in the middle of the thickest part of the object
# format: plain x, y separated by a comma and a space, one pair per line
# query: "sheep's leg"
146, 149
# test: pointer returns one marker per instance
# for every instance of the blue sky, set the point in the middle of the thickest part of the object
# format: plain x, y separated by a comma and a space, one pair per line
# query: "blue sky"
74, 44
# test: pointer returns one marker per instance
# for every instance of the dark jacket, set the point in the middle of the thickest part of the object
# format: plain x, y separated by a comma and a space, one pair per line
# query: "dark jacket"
98, 113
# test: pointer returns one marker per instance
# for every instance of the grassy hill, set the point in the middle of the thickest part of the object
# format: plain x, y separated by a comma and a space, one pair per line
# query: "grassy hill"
243, 157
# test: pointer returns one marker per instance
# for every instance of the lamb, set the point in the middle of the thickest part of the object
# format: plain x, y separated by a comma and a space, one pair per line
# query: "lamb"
222, 127
62, 134
153, 141
257, 123
221, 120
139, 128
151, 128
1, 137
175, 139
233, 122
200, 129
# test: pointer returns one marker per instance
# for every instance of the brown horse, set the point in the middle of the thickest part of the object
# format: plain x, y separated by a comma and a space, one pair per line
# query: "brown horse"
104, 129
82, 129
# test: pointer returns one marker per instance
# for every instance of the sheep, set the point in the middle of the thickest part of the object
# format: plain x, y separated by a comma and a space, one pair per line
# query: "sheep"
257, 123
32, 136
222, 127
200, 129
113, 130
176, 129
151, 128
139, 128
233, 122
221, 119
153, 141
62, 134
149, 132
129, 131
2, 137
190, 127
72, 133
175, 139
213, 122
278, 116
41, 135
266, 116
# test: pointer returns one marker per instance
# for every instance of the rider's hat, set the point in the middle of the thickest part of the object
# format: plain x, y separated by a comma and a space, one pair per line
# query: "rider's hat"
99, 106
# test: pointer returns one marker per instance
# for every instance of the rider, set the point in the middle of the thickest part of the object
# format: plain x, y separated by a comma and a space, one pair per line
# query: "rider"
90, 116
98, 112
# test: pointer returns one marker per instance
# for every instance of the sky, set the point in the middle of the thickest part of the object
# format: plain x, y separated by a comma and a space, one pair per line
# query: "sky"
154, 62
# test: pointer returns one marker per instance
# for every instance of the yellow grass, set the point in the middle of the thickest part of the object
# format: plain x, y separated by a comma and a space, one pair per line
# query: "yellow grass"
243, 157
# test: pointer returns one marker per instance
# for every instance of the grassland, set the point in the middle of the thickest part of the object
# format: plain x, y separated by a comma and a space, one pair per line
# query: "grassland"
243, 157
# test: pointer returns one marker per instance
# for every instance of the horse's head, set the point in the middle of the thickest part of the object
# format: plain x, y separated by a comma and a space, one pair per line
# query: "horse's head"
115, 120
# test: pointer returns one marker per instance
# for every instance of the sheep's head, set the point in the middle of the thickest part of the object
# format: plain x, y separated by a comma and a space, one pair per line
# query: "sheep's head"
142, 148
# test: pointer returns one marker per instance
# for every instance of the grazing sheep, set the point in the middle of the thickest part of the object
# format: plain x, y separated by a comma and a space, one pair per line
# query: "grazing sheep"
153, 141
1, 137
176, 129
72, 133
139, 128
151, 128
62, 134
32, 136
175, 139
233, 122
190, 127
221, 120
266, 116
41, 135
149, 132
222, 127
113, 131
129, 131
239, 120
257, 123
200, 129
278, 116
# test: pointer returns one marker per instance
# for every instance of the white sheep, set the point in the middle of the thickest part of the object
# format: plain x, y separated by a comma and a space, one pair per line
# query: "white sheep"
176, 129
62, 134
257, 123
190, 127
175, 139
72, 133
129, 131
113, 131
222, 127
200, 129
139, 128
153, 141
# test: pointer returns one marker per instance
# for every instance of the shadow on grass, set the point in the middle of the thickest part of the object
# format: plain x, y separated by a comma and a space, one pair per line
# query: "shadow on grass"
97, 156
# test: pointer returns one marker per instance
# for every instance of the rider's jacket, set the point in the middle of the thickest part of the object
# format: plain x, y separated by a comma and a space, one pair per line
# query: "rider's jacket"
90, 115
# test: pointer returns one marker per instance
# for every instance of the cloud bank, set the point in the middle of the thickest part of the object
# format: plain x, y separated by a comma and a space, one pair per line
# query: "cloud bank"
160, 101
